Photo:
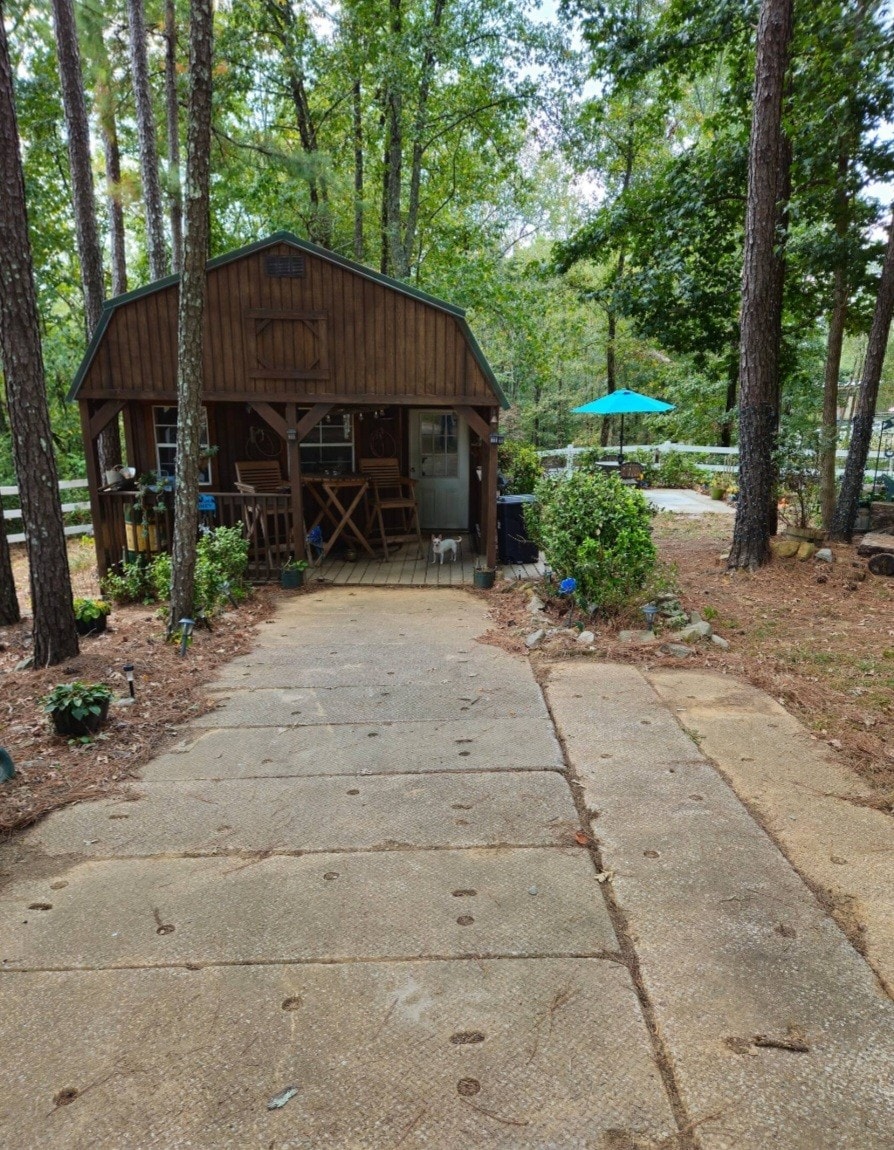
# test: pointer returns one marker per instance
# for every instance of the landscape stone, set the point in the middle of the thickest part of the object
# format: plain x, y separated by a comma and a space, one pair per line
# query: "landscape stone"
678, 649
24, 664
825, 555
535, 639
784, 548
723, 644
536, 604
696, 631
807, 550
640, 638
586, 637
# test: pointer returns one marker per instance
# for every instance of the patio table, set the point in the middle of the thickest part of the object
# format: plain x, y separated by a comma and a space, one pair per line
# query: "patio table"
338, 497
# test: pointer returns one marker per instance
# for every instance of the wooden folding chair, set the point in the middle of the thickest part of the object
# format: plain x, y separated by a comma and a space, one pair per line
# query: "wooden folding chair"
632, 473
259, 477
392, 492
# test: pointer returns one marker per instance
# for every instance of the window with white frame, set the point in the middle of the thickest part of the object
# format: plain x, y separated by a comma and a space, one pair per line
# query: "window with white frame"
328, 448
166, 443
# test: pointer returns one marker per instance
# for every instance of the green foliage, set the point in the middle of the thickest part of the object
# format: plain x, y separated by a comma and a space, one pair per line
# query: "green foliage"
131, 583
78, 698
675, 470
797, 463
597, 530
221, 562
520, 465
89, 610
295, 565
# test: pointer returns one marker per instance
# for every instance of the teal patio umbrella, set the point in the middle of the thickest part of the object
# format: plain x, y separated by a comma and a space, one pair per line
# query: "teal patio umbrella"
623, 402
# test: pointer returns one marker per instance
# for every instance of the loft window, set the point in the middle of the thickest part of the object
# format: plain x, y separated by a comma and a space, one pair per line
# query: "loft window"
166, 443
329, 447
284, 266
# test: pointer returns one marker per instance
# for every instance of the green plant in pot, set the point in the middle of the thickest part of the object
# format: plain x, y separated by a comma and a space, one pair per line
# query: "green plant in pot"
78, 709
292, 573
91, 615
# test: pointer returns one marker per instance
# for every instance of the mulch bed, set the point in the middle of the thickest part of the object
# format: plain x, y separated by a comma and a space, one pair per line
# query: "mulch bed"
51, 772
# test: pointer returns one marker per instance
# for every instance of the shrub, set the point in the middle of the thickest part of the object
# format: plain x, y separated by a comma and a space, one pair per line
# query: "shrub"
520, 465
131, 583
221, 562
596, 529
221, 558
675, 470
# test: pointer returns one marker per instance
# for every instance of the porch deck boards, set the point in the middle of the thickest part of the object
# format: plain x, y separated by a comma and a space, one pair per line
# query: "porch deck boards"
405, 569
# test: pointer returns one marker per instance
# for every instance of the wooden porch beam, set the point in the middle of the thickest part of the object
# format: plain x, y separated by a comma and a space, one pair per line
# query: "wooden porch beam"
311, 419
103, 416
273, 418
475, 421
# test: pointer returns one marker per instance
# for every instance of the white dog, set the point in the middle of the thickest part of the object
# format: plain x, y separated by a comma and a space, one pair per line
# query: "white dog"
440, 545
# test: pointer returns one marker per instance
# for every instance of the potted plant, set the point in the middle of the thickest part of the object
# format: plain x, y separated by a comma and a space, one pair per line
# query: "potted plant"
77, 708
292, 573
483, 578
144, 522
91, 615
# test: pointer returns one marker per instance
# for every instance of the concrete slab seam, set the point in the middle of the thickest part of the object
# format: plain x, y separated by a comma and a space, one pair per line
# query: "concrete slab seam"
664, 1061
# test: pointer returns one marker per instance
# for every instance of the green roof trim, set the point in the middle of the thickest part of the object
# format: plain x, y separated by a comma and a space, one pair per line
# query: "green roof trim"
284, 237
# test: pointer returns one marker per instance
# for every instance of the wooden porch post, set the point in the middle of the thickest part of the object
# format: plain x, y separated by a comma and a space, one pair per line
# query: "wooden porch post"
299, 546
490, 503
102, 564
294, 432
489, 485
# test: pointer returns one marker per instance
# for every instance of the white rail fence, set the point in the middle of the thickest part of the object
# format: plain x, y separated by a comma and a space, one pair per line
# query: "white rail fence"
728, 456
64, 485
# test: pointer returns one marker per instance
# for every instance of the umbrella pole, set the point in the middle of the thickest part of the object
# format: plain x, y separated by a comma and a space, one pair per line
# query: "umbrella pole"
621, 445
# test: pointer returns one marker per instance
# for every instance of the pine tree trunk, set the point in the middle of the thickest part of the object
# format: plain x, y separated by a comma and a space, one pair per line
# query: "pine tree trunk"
732, 381
397, 256
192, 310
139, 65
834, 345
55, 637
77, 130
864, 412
761, 294
9, 603
173, 124
829, 433
357, 98
420, 123
117, 250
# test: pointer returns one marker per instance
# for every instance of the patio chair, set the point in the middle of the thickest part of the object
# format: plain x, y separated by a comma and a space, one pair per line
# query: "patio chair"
632, 473
392, 492
261, 477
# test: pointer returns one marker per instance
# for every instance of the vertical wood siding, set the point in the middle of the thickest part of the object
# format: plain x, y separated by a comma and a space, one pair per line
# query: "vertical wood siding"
374, 343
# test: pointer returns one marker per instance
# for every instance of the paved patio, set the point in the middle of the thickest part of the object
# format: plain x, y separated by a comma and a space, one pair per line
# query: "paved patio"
372, 901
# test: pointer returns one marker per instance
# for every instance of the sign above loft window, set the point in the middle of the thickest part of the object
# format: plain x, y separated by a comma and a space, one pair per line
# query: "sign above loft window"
282, 266
283, 344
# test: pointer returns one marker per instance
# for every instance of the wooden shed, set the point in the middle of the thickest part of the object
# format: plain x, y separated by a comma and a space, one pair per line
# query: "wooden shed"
312, 362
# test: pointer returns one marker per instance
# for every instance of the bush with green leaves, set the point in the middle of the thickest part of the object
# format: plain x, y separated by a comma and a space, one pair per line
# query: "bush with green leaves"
131, 583
597, 530
520, 465
221, 563
675, 470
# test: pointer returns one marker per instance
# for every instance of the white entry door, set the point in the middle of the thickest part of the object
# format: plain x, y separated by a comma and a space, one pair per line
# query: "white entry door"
439, 462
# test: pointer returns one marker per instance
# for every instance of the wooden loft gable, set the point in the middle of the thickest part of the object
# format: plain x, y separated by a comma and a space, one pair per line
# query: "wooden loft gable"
288, 321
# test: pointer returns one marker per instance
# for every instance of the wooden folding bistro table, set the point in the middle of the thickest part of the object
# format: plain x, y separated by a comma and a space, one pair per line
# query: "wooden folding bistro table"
338, 497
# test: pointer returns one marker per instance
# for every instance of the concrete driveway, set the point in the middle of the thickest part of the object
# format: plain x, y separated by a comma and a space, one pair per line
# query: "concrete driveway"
376, 900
